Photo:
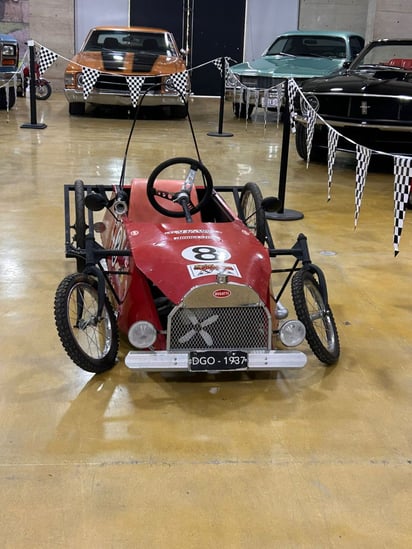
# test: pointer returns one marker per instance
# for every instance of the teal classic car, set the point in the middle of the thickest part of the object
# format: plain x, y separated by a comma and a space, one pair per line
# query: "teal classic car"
300, 55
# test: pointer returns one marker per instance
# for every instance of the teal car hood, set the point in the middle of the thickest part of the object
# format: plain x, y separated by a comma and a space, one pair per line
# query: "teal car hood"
280, 66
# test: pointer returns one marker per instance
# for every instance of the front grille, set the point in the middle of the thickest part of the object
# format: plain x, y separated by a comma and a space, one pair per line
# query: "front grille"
107, 82
260, 82
366, 108
374, 108
243, 327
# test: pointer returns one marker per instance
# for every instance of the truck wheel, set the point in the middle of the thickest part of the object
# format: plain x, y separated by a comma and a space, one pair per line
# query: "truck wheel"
77, 109
3, 98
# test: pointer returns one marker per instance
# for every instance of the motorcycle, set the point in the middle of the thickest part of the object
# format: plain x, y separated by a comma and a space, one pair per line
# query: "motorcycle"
43, 87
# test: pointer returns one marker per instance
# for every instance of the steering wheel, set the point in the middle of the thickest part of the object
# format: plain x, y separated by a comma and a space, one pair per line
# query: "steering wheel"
182, 196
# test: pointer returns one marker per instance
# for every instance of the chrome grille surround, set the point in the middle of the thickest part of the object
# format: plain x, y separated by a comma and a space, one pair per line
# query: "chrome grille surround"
240, 320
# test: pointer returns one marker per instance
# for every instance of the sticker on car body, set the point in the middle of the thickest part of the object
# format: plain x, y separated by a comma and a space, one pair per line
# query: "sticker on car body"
197, 270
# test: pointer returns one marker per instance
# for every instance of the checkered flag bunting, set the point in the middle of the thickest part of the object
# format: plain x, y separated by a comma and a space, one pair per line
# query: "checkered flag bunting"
402, 186
311, 120
219, 64
46, 59
363, 156
280, 92
292, 91
179, 82
333, 138
135, 84
90, 77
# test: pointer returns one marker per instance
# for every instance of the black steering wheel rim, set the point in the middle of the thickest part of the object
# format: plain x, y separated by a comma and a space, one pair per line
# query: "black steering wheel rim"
194, 164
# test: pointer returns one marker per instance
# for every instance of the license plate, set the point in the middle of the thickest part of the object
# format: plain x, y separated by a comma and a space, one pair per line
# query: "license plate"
208, 361
270, 102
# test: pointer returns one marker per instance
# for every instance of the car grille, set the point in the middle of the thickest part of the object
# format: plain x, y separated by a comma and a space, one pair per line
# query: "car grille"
219, 328
365, 108
107, 82
260, 82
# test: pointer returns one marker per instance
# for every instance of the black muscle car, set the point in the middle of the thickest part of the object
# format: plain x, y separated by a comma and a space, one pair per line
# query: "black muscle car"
369, 103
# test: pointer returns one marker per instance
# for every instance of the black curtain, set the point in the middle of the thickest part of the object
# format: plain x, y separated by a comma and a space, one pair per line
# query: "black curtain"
211, 28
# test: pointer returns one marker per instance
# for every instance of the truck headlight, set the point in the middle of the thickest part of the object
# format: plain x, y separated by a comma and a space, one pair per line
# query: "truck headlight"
308, 101
8, 50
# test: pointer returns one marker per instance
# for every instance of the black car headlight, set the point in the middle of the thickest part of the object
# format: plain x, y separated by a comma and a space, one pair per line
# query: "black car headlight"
309, 101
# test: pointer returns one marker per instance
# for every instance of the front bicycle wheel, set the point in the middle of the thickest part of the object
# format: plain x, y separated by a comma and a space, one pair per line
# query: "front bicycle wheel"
253, 213
91, 341
43, 90
313, 312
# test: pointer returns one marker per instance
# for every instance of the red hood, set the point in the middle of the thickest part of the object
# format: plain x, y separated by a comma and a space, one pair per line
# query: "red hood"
177, 256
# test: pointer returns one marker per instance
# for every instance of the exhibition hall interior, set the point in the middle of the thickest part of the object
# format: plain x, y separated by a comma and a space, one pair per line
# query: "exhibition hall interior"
205, 283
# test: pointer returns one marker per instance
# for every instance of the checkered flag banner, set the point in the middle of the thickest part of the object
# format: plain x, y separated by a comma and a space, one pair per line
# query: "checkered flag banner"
311, 120
333, 137
90, 77
46, 59
219, 65
403, 175
363, 156
179, 81
280, 92
135, 84
292, 91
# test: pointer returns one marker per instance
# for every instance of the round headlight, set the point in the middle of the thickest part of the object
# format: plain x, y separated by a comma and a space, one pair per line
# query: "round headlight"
309, 101
142, 334
292, 333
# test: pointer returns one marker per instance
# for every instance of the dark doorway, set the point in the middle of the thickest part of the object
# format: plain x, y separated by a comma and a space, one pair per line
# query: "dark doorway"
209, 28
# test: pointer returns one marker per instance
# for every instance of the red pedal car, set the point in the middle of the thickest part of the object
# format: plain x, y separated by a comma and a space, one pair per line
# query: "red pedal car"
185, 279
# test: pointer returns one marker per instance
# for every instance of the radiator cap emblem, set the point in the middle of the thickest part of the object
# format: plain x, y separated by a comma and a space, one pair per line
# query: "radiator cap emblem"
221, 294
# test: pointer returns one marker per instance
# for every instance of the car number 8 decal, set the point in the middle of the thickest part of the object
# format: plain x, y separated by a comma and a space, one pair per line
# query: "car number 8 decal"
205, 254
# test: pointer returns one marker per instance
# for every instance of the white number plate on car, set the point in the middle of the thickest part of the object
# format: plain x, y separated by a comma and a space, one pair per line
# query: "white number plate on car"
270, 102
207, 361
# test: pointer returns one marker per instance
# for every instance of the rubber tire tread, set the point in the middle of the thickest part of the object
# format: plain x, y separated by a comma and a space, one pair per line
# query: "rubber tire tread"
64, 331
44, 96
301, 279
317, 154
79, 222
253, 189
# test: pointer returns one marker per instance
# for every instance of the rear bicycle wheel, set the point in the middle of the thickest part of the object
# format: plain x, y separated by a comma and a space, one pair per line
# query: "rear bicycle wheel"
253, 213
79, 222
311, 309
91, 341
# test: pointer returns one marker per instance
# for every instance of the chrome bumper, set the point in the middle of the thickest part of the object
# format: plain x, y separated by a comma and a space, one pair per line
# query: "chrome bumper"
158, 361
118, 99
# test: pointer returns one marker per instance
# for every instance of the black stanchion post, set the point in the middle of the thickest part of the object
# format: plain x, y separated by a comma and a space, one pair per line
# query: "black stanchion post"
33, 111
283, 214
220, 132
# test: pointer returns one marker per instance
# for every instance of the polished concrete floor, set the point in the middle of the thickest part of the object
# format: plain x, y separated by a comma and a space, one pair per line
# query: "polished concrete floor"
314, 458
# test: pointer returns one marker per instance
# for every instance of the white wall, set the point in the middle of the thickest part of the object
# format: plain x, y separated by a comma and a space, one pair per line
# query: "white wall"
351, 15
265, 19
91, 13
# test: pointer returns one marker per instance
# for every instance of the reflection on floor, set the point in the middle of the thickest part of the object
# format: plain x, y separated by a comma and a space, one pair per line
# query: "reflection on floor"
319, 457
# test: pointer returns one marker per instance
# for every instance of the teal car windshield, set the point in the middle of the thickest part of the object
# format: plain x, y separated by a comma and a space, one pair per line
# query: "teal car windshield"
306, 45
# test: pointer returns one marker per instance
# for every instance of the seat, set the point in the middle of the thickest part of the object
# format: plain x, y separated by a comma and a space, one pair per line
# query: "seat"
141, 210
111, 43
401, 63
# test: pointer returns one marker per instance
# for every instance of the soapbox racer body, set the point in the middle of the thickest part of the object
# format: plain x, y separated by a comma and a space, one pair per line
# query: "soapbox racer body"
173, 268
